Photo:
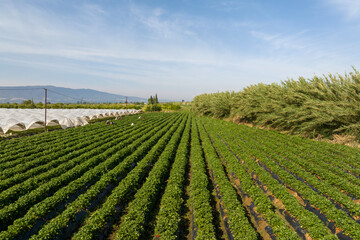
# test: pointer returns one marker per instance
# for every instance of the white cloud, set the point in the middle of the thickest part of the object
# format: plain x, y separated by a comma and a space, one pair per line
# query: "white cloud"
229, 5
351, 8
93, 9
296, 41
163, 25
38, 33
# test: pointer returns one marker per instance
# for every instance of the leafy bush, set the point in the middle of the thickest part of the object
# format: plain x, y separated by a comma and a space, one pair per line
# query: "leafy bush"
153, 108
317, 106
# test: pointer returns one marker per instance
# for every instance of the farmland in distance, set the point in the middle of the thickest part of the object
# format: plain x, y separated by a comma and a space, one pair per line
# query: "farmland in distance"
177, 176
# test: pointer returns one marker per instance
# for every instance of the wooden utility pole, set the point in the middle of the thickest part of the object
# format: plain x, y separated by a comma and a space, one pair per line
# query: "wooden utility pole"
45, 108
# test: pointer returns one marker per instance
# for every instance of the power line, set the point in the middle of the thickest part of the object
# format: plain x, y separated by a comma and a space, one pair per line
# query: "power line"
45, 108
28, 89
21, 89
64, 95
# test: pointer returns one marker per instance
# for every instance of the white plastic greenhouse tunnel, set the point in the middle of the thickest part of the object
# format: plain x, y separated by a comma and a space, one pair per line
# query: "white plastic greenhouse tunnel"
23, 119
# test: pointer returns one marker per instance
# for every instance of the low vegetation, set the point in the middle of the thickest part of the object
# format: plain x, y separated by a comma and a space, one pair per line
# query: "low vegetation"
177, 176
316, 107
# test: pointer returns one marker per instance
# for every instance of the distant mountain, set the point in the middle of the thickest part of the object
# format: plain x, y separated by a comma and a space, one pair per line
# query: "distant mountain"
61, 95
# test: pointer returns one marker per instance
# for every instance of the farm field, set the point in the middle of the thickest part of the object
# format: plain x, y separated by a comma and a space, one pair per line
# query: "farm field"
177, 176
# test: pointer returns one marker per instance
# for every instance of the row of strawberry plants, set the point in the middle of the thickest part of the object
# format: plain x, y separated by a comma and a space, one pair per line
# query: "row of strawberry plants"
202, 218
64, 138
129, 185
340, 218
240, 226
39, 210
327, 158
24, 146
28, 151
329, 148
87, 161
10, 144
331, 175
332, 168
18, 190
338, 155
134, 222
335, 164
243, 150
70, 160
168, 218
23, 194
262, 203
22, 164
276, 152
314, 151
51, 157
43, 193
54, 227
63, 160
18, 145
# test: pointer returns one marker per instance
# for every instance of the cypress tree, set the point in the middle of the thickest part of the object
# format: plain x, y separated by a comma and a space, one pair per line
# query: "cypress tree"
150, 100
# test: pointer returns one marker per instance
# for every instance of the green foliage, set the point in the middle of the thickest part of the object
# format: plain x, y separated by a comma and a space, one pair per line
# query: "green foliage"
153, 104
133, 224
170, 106
317, 106
246, 184
153, 108
235, 213
153, 100
129, 145
218, 105
174, 176
168, 219
199, 193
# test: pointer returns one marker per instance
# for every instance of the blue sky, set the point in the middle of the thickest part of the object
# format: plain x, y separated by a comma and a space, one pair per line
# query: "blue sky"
177, 49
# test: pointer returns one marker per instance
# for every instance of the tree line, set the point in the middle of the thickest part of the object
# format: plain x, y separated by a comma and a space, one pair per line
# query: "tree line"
318, 106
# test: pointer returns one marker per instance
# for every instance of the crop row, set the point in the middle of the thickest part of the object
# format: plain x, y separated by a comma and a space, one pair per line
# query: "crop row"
297, 167
263, 204
18, 145
201, 210
132, 225
90, 170
169, 216
62, 160
16, 148
341, 156
240, 227
106, 149
54, 227
322, 205
177, 176
58, 150
122, 193
28, 152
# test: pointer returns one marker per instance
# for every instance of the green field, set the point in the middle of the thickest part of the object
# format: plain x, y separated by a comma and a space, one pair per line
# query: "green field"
177, 176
